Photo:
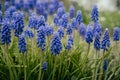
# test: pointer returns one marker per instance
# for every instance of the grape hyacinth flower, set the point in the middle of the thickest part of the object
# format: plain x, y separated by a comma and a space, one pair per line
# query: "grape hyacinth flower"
45, 14
79, 18
97, 42
56, 19
44, 66
49, 31
97, 28
22, 44
105, 44
12, 2
56, 45
40, 22
0, 18
51, 9
26, 6
46, 3
89, 34
65, 20
6, 33
60, 12
72, 11
7, 15
94, 13
31, 4
61, 4
18, 23
61, 32
32, 23
70, 42
74, 23
69, 29
82, 30
105, 65
41, 38
11, 10
40, 8
6, 5
116, 35
60, 22
29, 33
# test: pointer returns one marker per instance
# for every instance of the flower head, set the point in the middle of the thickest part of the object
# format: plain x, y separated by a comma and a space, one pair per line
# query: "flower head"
49, 30
105, 65
51, 9
97, 28
44, 66
74, 23
79, 18
105, 44
22, 44
41, 21
61, 32
94, 13
0, 17
89, 34
6, 5
82, 30
32, 23
18, 23
60, 12
116, 35
29, 33
69, 29
6, 33
56, 19
70, 42
40, 7
41, 38
97, 41
56, 45
65, 20
72, 11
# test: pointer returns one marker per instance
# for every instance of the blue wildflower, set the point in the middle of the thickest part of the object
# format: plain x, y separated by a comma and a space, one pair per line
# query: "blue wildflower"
56, 45
105, 44
97, 28
29, 33
70, 42
74, 23
41, 38
18, 23
69, 29
79, 18
12, 2
32, 23
72, 11
89, 34
40, 8
7, 15
105, 65
6, 33
31, 4
22, 44
61, 32
82, 30
60, 4
41, 21
116, 35
51, 9
60, 22
49, 31
11, 10
94, 13
46, 3
26, 6
45, 14
97, 41
60, 12
44, 66
21, 2
0, 18
65, 20
6, 5
18, 5
56, 19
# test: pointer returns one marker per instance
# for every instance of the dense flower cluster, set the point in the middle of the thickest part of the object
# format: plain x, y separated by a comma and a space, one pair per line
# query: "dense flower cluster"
105, 44
70, 42
6, 33
56, 45
22, 44
29, 33
89, 34
44, 66
97, 41
72, 11
40, 22
82, 30
79, 18
61, 32
41, 38
116, 35
69, 29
